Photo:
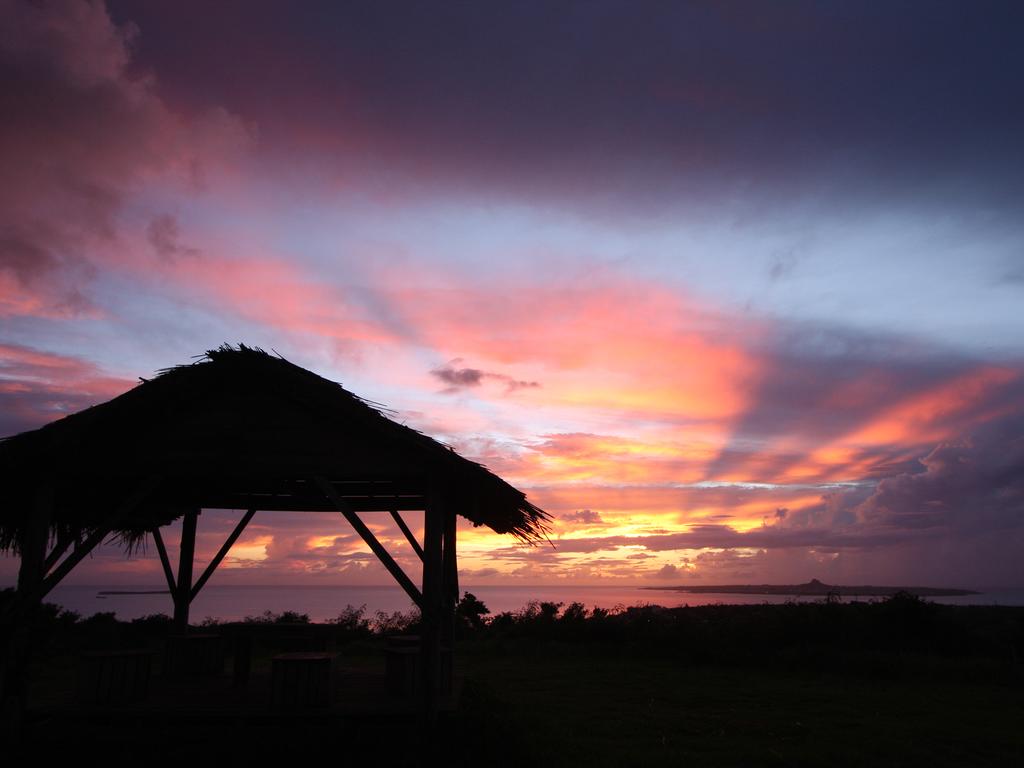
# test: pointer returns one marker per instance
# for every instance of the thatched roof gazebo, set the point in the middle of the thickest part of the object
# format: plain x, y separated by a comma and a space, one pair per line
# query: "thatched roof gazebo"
241, 429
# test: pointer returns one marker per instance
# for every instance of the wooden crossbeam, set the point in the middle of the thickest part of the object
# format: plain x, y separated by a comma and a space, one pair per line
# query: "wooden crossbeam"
35, 592
408, 534
371, 541
307, 503
221, 554
84, 548
165, 561
76, 556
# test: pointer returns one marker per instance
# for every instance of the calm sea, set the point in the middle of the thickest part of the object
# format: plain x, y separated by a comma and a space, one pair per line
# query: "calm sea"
231, 603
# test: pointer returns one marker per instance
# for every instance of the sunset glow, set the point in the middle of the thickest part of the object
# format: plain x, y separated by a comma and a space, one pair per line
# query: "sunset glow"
720, 329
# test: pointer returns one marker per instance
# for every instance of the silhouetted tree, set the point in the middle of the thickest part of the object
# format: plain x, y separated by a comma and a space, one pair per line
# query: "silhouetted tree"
471, 610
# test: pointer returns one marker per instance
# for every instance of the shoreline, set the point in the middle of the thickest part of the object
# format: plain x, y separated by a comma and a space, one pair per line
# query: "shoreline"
815, 588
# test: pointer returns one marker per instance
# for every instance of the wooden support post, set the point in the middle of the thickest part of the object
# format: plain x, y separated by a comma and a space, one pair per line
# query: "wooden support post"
33, 544
35, 580
408, 534
430, 633
183, 591
371, 541
220, 555
450, 577
17, 625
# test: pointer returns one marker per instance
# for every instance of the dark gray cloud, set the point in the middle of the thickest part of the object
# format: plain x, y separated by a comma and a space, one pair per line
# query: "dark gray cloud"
586, 516
163, 234
595, 100
458, 379
970, 485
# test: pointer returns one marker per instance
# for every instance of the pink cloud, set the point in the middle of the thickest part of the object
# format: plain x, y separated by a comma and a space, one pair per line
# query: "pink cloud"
36, 387
81, 133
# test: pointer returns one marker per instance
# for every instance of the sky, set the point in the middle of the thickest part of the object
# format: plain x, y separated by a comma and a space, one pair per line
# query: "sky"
732, 290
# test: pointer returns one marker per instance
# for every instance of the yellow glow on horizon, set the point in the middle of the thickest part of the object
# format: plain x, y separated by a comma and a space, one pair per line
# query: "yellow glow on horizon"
249, 551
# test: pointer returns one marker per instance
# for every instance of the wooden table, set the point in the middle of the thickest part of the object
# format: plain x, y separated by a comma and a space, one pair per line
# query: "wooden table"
301, 680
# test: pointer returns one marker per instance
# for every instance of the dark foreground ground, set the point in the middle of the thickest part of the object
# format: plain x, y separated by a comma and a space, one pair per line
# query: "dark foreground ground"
895, 683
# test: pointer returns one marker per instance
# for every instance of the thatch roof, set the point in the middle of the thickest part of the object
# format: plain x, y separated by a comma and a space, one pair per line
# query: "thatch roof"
240, 429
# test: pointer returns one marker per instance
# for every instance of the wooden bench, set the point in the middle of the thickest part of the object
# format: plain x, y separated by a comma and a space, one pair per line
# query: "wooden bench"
114, 677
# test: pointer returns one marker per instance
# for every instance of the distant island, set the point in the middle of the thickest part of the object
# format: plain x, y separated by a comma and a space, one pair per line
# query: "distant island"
814, 588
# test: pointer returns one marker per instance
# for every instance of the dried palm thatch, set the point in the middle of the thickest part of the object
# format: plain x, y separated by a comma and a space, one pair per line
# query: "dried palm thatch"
238, 429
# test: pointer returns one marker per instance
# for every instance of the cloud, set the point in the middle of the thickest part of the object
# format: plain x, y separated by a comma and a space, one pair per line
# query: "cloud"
666, 572
37, 386
725, 537
727, 564
458, 379
783, 263
967, 495
829, 404
969, 486
583, 516
481, 573
163, 235
82, 131
703, 102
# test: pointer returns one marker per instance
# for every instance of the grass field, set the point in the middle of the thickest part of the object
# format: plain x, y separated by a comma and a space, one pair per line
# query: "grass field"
590, 711
900, 683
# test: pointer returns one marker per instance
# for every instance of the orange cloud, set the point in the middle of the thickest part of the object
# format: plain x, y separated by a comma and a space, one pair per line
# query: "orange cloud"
918, 421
